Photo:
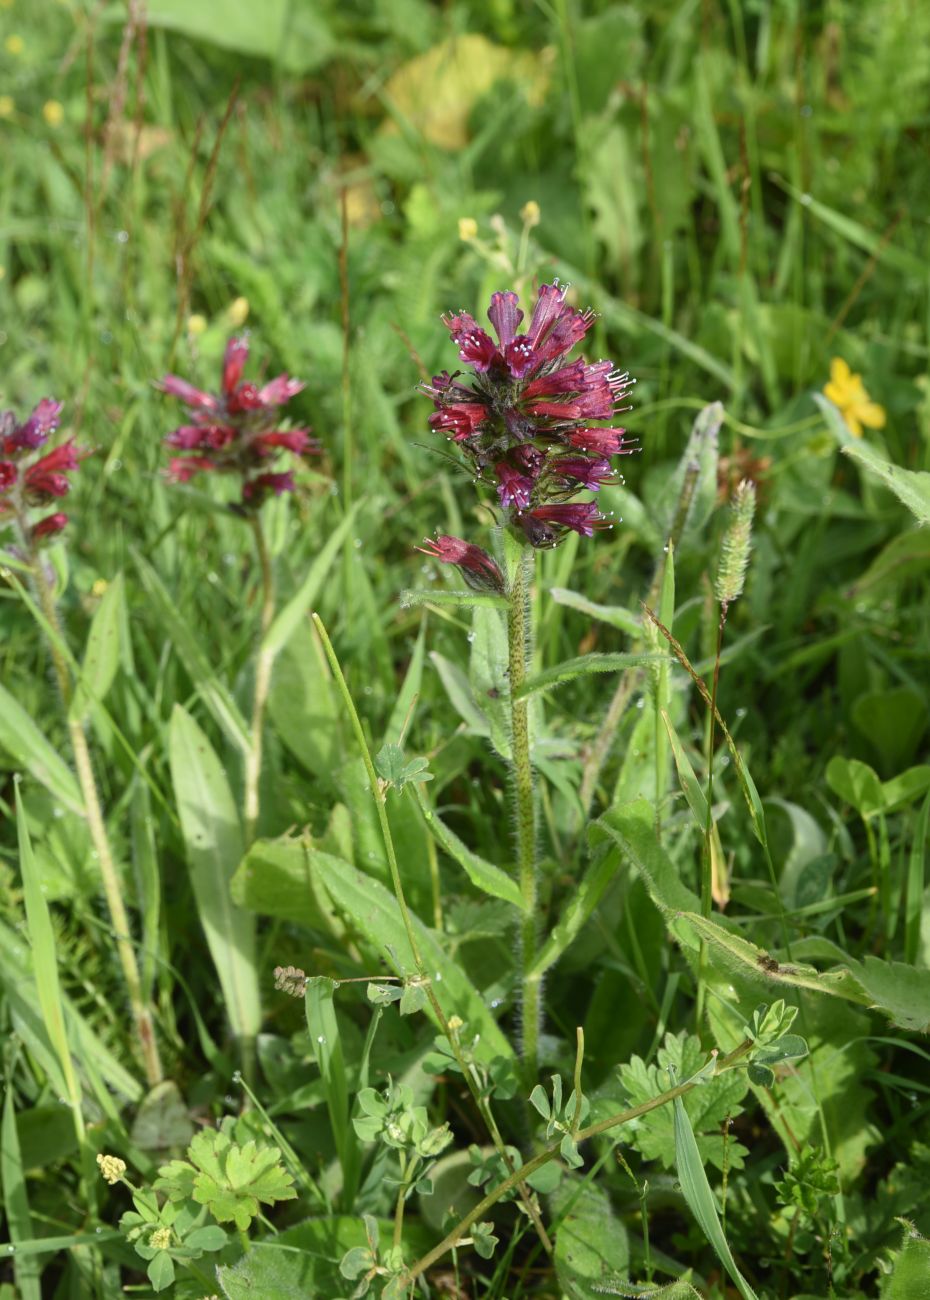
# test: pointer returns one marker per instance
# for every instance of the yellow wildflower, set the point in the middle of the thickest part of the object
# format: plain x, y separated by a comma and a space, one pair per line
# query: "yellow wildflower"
530, 213
99, 587
53, 112
196, 324
14, 45
237, 312
160, 1239
468, 229
7, 106
847, 391
111, 1168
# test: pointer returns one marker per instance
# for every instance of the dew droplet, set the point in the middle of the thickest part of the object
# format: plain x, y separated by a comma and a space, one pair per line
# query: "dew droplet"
320, 1038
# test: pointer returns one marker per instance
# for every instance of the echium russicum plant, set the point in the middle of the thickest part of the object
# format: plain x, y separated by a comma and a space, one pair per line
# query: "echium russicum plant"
237, 431
539, 427
33, 480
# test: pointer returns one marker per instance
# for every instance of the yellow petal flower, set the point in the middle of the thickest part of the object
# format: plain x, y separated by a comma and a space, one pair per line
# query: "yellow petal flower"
872, 415
855, 428
468, 229
53, 112
14, 45
839, 371
835, 393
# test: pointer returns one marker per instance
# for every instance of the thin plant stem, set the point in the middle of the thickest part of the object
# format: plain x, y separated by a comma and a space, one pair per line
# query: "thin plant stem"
263, 668
109, 876
552, 1153
401, 1202
451, 1033
519, 641
707, 862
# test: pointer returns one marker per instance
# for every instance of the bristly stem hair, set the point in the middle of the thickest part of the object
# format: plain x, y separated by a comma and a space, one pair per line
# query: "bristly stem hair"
519, 640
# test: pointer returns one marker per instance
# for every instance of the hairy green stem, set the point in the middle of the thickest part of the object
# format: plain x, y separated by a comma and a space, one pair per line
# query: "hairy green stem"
519, 639
263, 667
109, 875
551, 1153
451, 1033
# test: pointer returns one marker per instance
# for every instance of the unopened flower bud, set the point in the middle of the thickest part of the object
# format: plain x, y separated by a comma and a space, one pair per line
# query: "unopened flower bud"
468, 229
111, 1168
530, 213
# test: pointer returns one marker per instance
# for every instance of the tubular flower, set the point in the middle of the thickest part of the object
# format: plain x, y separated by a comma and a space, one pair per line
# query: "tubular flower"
28, 481
236, 430
475, 565
526, 419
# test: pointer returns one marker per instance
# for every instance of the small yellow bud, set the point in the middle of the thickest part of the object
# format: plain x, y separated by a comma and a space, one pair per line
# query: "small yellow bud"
237, 312
7, 106
196, 324
2, 272
14, 45
99, 587
455, 1023
468, 229
160, 1239
111, 1168
530, 213
53, 112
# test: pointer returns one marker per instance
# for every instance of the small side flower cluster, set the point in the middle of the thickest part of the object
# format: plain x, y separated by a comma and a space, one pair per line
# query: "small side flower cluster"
529, 421
236, 430
29, 482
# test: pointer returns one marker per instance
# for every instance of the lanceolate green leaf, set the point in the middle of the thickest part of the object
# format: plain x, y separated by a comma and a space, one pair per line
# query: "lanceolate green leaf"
213, 837
373, 912
102, 656
580, 667
16, 1202
25, 743
579, 906
696, 1191
482, 874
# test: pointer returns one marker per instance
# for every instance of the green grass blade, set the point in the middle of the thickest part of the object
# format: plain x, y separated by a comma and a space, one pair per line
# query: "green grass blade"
696, 1191
328, 1051
482, 599
216, 697
582, 901
45, 965
16, 1202
916, 876
402, 712
213, 836
691, 787
26, 744
614, 615
295, 609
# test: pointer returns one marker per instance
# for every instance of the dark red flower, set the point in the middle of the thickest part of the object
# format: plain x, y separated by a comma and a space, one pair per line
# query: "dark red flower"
7, 475
475, 565
33, 431
28, 480
527, 405
578, 516
236, 430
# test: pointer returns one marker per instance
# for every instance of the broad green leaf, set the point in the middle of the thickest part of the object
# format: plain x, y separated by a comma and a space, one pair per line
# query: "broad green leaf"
213, 838
916, 877
893, 722
488, 669
29, 749
901, 991
486, 876
857, 784
374, 912
696, 1191
291, 616
632, 826
591, 1246
212, 691
295, 36
581, 667
908, 1279
162, 1120
102, 655
911, 487
303, 704
458, 688
278, 878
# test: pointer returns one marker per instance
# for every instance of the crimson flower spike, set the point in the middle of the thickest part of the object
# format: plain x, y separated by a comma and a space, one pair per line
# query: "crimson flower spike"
235, 431
29, 481
529, 421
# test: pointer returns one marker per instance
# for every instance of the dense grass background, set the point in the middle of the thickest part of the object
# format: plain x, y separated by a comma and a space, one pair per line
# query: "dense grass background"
739, 190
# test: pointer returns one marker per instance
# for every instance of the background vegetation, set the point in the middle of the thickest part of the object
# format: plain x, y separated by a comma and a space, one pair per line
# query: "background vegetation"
739, 190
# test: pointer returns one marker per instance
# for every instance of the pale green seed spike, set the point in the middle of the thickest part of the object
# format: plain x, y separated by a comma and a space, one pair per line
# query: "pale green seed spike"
737, 542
